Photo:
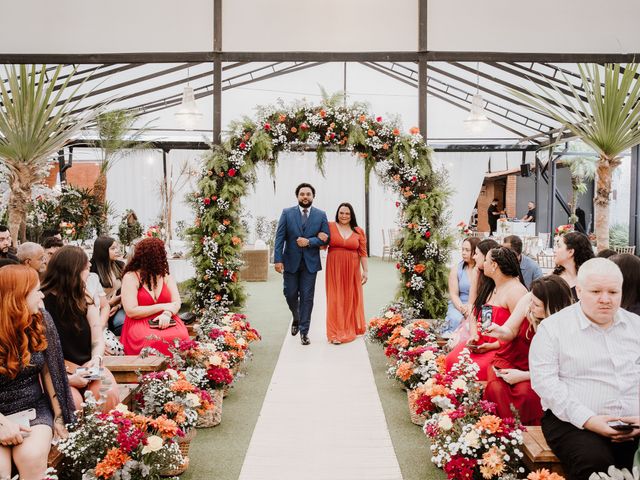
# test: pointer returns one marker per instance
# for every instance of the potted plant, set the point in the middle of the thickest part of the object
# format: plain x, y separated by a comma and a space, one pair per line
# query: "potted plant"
129, 229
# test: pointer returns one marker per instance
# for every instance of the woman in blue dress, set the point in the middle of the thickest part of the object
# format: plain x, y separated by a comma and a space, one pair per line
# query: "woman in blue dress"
459, 285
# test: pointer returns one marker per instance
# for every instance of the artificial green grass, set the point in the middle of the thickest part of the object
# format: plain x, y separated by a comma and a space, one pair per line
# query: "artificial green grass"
410, 443
219, 452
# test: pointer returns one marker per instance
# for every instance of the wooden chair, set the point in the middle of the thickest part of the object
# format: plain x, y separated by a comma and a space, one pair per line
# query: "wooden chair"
546, 261
126, 368
386, 246
537, 453
631, 249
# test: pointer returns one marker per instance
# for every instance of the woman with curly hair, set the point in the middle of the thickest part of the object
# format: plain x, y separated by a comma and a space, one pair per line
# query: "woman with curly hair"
572, 250
151, 300
81, 330
33, 384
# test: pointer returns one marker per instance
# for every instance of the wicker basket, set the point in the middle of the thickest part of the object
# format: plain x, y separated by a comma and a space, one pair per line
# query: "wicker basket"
184, 443
415, 418
212, 417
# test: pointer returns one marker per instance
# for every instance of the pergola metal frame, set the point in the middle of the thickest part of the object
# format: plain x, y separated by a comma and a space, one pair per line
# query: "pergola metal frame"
427, 78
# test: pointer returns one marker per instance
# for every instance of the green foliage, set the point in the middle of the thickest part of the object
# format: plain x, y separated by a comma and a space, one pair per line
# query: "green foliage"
129, 228
117, 138
619, 235
217, 234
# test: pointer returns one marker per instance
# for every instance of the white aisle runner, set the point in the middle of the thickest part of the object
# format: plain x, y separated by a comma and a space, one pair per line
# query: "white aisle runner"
322, 418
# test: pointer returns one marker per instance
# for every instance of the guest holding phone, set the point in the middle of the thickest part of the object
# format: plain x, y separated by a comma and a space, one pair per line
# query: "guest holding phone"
584, 366
105, 263
79, 326
33, 383
508, 381
497, 297
151, 301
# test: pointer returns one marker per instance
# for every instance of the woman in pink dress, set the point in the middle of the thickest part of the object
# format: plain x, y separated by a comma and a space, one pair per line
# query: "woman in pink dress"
151, 301
497, 297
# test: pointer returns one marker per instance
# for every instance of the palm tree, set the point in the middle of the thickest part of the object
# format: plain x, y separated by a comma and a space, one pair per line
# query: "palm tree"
116, 142
35, 123
605, 116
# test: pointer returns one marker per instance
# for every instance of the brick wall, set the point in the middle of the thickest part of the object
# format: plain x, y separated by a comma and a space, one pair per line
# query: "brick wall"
511, 195
81, 174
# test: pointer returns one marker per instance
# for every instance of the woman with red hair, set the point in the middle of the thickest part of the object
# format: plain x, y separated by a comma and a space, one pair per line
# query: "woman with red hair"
151, 300
35, 401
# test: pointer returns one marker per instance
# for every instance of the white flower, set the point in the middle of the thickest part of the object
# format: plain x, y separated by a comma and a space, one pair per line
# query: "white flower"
459, 384
445, 423
427, 356
242, 341
122, 408
405, 332
172, 373
193, 399
215, 360
389, 314
154, 443
472, 439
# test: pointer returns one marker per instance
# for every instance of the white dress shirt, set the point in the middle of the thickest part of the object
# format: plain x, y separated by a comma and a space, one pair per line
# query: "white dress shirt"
579, 369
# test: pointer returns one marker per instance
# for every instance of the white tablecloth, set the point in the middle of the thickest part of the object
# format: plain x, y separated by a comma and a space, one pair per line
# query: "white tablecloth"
522, 229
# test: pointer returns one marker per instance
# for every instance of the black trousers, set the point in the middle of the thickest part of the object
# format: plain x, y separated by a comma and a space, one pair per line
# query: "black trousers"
583, 452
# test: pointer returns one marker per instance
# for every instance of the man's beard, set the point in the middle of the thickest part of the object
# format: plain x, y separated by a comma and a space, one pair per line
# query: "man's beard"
4, 250
303, 205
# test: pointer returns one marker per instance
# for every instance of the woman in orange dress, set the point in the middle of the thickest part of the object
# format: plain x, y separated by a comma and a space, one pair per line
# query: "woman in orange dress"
151, 301
347, 256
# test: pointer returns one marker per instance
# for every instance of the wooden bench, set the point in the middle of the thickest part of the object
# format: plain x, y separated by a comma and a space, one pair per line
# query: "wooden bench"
125, 368
537, 453
191, 330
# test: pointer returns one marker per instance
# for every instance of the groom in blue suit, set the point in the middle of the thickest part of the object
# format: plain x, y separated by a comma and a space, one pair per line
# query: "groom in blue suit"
297, 256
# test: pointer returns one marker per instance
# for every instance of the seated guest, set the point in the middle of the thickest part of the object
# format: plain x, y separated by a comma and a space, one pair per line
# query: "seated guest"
630, 267
77, 320
584, 367
509, 379
51, 245
531, 213
32, 376
606, 253
5, 243
32, 255
459, 285
529, 268
105, 263
497, 297
572, 250
151, 301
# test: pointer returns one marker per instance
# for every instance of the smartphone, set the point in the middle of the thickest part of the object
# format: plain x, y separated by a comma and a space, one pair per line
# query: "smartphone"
621, 426
91, 374
155, 323
23, 419
497, 370
486, 317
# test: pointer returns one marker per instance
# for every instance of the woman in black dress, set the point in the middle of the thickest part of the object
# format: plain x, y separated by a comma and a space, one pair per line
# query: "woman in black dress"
33, 384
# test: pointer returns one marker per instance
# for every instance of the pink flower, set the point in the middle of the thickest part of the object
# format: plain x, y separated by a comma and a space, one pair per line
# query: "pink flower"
378, 119
397, 204
242, 146
267, 126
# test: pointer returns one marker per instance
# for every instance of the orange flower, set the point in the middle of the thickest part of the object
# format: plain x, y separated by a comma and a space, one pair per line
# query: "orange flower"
492, 464
226, 221
385, 146
407, 193
294, 129
371, 133
282, 117
422, 196
404, 371
490, 423
236, 240
182, 385
112, 462
419, 268
420, 324
544, 474
362, 118
436, 390
322, 113
414, 130
396, 132
165, 426
403, 270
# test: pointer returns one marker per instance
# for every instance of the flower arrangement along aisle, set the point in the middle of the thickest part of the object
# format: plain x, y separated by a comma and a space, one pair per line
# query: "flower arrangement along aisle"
472, 443
449, 390
407, 337
416, 365
401, 161
381, 328
120, 444
206, 368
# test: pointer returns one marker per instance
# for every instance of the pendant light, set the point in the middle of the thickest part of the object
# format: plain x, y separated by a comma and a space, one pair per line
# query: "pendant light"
188, 115
477, 121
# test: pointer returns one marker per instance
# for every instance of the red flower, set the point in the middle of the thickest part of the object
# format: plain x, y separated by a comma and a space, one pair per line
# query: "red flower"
397, 266
427, 234
232, 172
304, 126
267, 126
414, 179
378, 119
214, 197
207, 201
397, 204
242, 145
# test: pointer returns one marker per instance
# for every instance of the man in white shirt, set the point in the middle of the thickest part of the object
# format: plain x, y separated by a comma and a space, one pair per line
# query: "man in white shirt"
584, 364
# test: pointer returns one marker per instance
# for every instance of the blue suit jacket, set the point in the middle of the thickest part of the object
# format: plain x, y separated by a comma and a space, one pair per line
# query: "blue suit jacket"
289, 229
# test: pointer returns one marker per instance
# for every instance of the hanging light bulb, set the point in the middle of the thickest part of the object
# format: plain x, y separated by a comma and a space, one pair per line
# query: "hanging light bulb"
188, 116
477, 121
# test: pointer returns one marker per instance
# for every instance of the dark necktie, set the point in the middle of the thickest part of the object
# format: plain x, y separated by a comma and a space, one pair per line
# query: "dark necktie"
305, 216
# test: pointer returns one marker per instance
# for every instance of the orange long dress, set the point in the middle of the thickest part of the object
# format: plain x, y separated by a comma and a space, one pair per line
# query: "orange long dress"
345, 307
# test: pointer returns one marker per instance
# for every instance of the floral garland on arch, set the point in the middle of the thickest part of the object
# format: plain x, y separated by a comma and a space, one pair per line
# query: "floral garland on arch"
402, 161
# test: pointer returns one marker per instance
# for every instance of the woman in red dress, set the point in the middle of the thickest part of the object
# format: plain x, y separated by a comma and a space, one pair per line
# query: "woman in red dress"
151, 301
498, 294
509, 379
344, 278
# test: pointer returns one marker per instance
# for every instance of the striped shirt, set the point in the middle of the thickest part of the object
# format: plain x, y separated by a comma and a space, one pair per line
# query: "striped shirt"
580, 370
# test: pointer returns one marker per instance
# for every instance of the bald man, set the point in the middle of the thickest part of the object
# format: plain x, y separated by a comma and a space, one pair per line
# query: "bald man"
584, 366
32, 255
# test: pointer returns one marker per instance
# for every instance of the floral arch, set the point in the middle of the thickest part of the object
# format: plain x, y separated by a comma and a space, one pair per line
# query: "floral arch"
402, 162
